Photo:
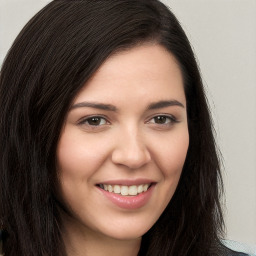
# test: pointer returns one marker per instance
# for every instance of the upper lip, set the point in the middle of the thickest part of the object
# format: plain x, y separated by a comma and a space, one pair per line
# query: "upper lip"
127, 182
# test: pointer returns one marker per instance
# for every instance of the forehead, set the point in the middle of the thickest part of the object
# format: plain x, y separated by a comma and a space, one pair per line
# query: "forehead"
143, 71
149, 60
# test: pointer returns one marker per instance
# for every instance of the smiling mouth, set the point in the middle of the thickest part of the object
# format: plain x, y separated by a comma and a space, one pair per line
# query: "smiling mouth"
132, 190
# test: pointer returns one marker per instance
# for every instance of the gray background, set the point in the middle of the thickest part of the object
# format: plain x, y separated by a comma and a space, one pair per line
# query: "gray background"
223, 35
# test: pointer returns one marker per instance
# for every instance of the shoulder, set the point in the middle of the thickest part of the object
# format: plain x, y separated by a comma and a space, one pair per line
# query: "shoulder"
233, 253
239, 249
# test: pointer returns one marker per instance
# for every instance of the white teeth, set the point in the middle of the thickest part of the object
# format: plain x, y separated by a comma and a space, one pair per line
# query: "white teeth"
145, 187
133, 191
110, 188
126, 190
140, 188
117, 189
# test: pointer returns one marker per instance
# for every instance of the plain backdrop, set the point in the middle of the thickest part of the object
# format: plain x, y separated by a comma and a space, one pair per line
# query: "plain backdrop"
223, 36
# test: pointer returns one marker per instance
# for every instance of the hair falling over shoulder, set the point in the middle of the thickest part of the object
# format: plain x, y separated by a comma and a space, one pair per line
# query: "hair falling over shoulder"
49, 62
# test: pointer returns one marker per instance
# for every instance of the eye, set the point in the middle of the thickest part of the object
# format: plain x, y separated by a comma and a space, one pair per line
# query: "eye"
94, 121
163, 120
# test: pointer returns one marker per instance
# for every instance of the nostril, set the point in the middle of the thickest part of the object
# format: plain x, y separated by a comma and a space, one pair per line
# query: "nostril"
133, 157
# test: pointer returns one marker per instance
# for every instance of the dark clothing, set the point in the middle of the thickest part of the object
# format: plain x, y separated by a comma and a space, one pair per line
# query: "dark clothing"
233, 253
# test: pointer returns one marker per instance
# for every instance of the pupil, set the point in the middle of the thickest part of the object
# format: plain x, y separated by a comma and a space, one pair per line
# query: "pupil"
94, 121
160, 119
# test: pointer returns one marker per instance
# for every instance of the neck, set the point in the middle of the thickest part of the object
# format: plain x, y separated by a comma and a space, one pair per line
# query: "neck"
81, 241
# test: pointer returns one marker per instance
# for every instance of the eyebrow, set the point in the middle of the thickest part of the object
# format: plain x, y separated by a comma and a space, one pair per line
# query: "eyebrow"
96, 105
164, 103
110, 107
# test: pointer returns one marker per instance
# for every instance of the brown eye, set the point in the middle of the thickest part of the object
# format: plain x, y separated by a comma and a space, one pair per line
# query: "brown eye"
162, 119
167, 120
95, 121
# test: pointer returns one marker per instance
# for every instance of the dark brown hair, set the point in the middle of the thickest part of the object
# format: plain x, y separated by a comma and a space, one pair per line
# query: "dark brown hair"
50, 61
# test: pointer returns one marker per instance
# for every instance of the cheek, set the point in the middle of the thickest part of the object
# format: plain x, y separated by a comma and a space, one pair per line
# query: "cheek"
76, 165
169, 157
76, 155
171, 154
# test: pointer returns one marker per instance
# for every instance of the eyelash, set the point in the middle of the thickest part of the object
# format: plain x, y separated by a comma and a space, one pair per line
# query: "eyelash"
91, 118
164, 117
169, 120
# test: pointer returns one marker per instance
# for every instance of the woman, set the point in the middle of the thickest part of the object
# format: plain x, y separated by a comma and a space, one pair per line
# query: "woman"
107, 144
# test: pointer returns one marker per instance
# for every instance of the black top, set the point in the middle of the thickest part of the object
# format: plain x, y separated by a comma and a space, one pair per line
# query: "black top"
238, 254
233, 253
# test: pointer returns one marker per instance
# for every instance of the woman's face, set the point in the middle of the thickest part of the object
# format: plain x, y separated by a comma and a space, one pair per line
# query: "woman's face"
124, 143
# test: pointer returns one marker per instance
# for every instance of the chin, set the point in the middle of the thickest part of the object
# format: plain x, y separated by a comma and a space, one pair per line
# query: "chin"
125, 235
127, 231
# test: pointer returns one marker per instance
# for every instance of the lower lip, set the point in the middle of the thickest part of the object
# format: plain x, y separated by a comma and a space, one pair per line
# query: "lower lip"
129, 202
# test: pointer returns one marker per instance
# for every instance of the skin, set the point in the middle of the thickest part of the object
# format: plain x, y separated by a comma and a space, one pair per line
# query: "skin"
128, 143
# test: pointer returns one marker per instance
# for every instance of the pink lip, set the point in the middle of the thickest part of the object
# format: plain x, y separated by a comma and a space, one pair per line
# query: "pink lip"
129, 202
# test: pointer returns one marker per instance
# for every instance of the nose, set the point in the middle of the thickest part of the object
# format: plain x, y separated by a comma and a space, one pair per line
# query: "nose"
131, 151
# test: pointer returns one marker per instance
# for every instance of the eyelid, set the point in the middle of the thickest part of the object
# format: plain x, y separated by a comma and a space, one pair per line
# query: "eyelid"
162, 114
172, 118
84, 119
